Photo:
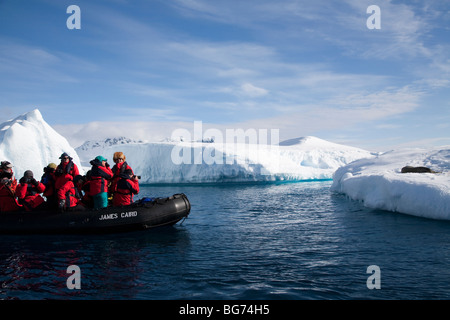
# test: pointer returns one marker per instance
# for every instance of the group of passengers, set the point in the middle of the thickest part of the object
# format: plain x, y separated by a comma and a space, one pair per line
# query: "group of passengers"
62, 188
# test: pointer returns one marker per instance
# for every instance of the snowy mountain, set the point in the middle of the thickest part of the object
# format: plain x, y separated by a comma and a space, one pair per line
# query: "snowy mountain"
90, 145
29, 143
92, 148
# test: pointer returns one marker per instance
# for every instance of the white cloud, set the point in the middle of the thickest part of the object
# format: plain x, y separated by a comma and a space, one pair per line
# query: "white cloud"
253, 91
299, 66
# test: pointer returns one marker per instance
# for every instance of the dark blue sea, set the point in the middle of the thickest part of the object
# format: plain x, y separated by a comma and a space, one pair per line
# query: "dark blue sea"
290, 241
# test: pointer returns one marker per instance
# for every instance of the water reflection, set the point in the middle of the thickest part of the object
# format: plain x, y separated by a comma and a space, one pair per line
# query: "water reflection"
112, 266
280, 241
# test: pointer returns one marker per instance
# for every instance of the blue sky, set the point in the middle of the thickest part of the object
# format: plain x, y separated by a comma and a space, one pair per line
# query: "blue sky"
142, 69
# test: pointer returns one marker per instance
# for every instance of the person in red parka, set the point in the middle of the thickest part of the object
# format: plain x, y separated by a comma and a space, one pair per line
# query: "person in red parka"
126, 187
100, 175
6, 171
29, 191
8, 201
67, 166
120, 165
68, 196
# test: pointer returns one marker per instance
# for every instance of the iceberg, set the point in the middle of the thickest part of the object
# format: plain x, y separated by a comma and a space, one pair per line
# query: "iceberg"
307, 158
379, 183
29, 143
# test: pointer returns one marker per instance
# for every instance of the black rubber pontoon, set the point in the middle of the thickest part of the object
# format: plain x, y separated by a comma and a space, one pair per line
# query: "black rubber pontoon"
141, 215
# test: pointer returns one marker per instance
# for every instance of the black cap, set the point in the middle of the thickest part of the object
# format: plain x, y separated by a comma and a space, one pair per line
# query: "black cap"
28, 174
64, 155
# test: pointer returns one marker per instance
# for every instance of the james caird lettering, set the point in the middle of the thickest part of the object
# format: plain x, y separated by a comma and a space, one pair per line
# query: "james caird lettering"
112, 216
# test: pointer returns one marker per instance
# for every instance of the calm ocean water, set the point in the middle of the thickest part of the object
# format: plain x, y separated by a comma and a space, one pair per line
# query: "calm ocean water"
271, 241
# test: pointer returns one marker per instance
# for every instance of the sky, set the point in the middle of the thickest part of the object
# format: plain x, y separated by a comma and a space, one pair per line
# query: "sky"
143, 69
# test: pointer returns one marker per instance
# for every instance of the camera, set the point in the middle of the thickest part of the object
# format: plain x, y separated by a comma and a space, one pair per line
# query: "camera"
49, 170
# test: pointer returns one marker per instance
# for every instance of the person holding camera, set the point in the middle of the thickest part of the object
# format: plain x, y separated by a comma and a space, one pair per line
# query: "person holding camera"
100, 175
126, 187
6, 171
29, 191
8, 184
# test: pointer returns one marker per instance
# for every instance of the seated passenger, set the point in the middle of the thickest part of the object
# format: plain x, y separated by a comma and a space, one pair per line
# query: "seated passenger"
8, 201
48, 179
29, 191
68, 197
84, 187
126, 187
119, 167
100, 176
67, 166
6, 171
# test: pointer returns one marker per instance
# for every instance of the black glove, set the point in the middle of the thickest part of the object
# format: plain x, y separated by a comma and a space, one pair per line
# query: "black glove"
61, 205
34, 182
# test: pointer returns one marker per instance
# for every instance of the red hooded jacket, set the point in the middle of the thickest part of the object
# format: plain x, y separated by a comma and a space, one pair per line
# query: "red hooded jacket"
8, 201
65, 190
99, 178
125, 189
29, 194
118, 169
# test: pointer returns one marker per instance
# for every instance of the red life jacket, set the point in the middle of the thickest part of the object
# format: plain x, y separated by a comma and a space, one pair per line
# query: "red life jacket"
68, 168
99, 179
117, 170
8, 201
125, 189
29, 195
66, 191
63, 169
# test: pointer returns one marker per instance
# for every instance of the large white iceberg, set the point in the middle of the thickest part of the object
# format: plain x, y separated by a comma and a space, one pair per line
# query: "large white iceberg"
379, 183
29, 143
307, 158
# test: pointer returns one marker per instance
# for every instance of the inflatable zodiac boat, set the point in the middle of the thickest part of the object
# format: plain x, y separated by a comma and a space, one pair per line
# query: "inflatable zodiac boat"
144, 214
